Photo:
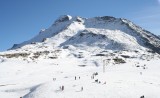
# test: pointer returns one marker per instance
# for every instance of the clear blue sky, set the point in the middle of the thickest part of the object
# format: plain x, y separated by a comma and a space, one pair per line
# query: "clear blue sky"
20, 20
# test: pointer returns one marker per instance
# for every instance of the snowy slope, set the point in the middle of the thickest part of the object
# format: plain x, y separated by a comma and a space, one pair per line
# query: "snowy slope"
73, 50
23, 77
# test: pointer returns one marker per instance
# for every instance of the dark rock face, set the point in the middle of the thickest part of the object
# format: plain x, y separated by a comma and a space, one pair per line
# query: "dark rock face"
106, 18
14, 46
149, 40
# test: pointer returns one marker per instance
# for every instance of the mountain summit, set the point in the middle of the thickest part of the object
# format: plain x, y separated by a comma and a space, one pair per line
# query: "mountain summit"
103, 32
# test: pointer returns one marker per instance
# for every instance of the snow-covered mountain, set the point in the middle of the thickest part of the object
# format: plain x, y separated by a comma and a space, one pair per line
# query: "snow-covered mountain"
103, 32
100, 57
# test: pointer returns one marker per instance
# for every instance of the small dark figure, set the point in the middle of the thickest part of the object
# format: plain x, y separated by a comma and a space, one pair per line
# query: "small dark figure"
96, 73
79, 77
62, 88
54, 79
96, 80
99, 82
20, 97
142, 96
82, 88
75, 77
92, 77
144, 67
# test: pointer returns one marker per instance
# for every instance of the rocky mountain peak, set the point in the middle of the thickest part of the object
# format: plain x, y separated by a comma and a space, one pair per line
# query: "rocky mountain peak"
105, 32
63, 18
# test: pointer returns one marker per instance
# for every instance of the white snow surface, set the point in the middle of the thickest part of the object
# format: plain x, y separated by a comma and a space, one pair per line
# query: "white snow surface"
76, 47
23, 77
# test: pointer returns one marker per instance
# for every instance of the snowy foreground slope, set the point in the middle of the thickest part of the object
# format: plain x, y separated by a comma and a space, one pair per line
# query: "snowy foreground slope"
101, 57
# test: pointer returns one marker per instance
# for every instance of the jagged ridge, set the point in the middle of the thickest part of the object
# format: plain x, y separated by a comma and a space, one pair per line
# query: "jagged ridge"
103, 32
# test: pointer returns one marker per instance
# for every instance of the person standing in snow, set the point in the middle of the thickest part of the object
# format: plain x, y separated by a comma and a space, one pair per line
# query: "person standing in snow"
92, 77
75, 77
54, 79
82, 88
62, 88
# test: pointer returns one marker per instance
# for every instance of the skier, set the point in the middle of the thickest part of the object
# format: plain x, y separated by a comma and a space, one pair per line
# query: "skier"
142, 96
62, 88
75, 77
82, 88
54, 79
